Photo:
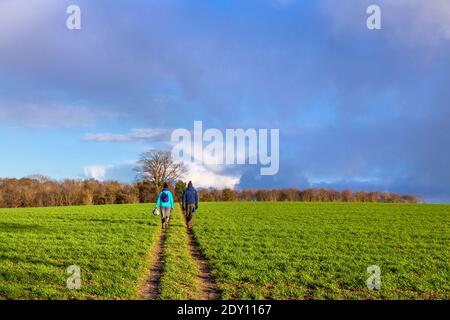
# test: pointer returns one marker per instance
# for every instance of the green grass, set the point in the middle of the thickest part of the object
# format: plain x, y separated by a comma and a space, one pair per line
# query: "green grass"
256, 251
322, 250
111, 245
180, 275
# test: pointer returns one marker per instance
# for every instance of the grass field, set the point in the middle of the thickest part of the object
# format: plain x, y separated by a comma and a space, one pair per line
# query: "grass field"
180, 274
110, 244
322, 250
255, 251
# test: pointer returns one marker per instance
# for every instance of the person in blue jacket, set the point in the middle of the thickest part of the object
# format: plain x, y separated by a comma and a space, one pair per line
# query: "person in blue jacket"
165, 202
190, 203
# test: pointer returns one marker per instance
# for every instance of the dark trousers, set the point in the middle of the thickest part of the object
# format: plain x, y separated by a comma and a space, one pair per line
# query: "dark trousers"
190, 214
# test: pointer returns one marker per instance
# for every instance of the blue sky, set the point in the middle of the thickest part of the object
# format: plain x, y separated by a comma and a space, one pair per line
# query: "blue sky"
356, 108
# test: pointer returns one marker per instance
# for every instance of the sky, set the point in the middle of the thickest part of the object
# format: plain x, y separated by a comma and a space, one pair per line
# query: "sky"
356, 108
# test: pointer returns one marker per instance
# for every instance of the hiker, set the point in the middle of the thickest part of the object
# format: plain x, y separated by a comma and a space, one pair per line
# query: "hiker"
190, 203
165, 201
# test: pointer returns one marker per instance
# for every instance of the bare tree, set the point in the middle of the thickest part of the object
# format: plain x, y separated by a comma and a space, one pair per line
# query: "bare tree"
159, 166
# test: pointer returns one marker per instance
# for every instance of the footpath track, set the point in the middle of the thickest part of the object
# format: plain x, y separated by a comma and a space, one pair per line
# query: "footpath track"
178, 268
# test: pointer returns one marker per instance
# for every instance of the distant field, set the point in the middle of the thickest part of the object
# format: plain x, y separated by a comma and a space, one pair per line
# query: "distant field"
322, 250
111, 244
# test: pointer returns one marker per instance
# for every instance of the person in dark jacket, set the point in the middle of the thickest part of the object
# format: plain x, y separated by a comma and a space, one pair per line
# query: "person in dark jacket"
190, 203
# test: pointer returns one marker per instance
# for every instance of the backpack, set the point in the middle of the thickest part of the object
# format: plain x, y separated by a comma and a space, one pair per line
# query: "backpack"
164, 197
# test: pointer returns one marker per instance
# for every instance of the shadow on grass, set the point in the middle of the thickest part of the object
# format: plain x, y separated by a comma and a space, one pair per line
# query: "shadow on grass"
18, 227
107, 220
34, 261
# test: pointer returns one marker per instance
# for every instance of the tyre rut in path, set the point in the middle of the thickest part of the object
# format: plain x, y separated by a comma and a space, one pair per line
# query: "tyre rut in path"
152, 285
208, 288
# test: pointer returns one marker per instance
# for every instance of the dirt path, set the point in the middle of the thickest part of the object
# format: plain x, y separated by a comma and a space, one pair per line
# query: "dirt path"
151, 288
208, 288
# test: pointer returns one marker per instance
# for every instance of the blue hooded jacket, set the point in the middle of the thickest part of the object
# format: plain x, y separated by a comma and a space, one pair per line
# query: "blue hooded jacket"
165, 204
190, 196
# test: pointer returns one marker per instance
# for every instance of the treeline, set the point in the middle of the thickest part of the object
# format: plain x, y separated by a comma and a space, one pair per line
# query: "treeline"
39, 191
306, 195
44, 192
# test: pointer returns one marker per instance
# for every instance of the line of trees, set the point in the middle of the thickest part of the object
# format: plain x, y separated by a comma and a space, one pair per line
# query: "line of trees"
39, 191
306, 195
43, 192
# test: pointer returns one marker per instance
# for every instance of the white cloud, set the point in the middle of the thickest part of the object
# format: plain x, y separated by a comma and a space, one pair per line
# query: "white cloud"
135, 135
149, 133
205, 178
97, 172
122, 172
106, 137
